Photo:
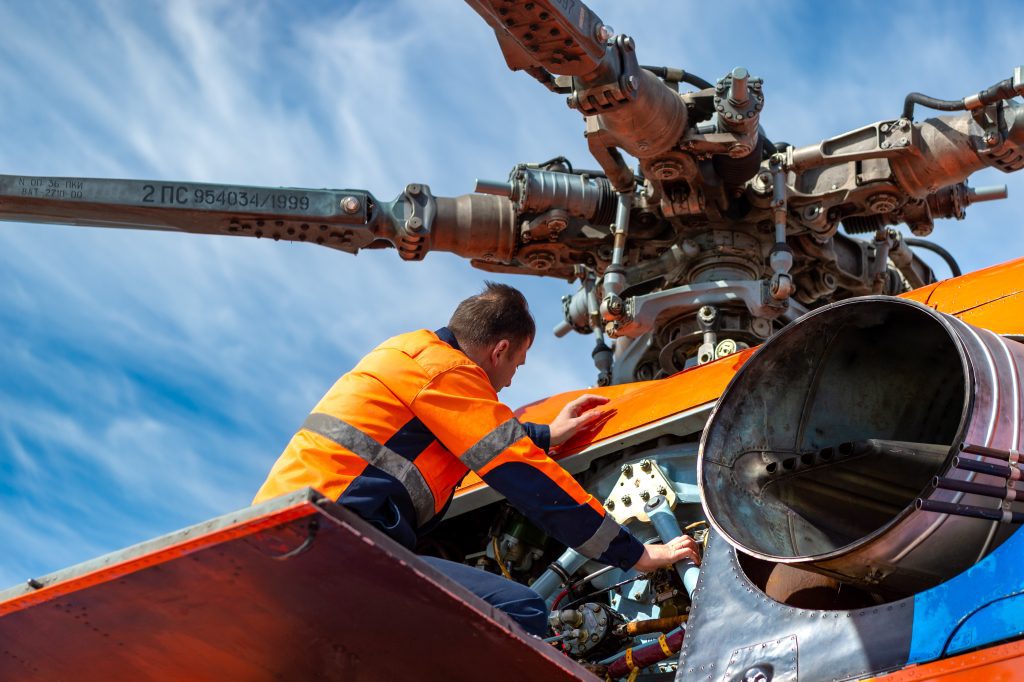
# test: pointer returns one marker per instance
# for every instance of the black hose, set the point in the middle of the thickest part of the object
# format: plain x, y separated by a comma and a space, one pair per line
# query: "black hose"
1002, 90
696, 81
685, 77
930, 102
591, 595
935, 248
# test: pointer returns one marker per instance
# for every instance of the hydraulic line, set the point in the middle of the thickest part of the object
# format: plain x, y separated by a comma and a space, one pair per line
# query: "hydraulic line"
935, 248
603, 590
579, 583
930, 102
646, 627
1003, 90
678, 76
640, 657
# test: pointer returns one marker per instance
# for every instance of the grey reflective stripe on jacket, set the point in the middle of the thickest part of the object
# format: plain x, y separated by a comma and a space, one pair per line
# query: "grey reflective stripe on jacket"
379, 456
493, 444
598, 543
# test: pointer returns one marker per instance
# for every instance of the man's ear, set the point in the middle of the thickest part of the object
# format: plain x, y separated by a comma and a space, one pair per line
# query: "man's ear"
499, 350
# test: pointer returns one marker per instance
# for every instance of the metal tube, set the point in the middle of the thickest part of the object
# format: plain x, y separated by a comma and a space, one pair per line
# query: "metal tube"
550, 581
495, 187
665, 523
985, 451
1004, 515
738, 94
994, 491
645, 655
990, 193
1000, 470
645, 627
614, 279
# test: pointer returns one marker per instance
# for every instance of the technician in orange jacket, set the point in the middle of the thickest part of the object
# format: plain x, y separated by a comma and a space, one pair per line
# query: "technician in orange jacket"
392, 439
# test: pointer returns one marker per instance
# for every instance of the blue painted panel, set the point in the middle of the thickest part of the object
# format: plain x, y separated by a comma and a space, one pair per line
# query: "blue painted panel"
973, 607
999, 620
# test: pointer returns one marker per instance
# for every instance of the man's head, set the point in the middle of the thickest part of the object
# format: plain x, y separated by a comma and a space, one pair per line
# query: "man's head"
495, 329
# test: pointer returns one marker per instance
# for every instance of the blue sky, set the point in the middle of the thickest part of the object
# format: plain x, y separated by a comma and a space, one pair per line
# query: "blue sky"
149, 380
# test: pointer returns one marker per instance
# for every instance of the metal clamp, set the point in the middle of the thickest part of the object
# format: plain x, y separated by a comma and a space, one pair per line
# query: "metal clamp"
606, 96
418, 209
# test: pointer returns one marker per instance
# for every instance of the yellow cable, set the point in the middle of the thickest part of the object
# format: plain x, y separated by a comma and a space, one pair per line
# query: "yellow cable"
633, 670
497, 557
695, 524
664, 646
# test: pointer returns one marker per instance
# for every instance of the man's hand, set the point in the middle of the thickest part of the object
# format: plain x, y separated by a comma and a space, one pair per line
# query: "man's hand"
574, 416
656, 556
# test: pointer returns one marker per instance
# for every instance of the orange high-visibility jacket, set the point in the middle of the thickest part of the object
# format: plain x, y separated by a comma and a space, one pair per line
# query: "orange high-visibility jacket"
393, 438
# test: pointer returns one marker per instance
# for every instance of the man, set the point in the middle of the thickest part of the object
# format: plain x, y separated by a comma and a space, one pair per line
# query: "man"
392, 439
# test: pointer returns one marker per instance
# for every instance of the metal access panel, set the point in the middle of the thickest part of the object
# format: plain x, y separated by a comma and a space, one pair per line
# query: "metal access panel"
295, 588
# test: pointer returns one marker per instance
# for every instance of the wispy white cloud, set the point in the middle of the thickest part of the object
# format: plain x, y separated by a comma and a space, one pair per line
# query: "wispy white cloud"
150, 379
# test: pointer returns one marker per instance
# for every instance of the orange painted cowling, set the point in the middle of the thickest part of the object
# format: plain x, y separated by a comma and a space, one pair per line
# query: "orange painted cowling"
992, 298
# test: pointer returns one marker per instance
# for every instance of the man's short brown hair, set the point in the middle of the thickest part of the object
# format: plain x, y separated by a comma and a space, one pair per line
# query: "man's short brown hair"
498, 312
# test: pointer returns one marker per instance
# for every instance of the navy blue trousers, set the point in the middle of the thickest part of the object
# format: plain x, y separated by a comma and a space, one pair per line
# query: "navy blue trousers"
520, 602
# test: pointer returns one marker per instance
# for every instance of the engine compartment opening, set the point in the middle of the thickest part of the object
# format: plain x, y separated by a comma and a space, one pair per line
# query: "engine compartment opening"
834, 429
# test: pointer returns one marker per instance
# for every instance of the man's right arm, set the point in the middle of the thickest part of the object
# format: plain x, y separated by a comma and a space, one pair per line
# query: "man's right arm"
461, 409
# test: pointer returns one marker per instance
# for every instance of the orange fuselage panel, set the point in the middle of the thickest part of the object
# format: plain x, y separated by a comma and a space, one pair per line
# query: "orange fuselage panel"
992, 298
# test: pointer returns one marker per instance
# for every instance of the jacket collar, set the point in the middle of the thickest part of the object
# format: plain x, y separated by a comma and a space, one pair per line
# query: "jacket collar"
446, 335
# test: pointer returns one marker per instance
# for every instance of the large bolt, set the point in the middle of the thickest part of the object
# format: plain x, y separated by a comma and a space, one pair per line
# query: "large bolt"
627, 500
707, 314
645, 465
627, 469
738, 94
350, 205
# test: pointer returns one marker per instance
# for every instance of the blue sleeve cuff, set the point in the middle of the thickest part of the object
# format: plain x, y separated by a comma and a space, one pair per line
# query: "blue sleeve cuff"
540, 434
624, 551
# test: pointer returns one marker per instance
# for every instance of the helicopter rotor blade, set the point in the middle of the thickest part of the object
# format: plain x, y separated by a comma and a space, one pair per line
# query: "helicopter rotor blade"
476, 226
340, 219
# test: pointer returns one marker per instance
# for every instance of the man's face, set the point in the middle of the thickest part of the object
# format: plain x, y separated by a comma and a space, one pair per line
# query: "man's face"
506, 358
